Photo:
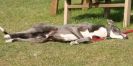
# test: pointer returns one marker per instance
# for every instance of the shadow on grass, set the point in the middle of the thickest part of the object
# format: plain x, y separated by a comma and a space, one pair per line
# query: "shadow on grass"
116, 15
131, 19
88, 15
60, 11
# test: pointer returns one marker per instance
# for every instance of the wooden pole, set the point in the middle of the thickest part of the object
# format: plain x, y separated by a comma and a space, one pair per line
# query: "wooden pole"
127, 13
66, 11
54, 7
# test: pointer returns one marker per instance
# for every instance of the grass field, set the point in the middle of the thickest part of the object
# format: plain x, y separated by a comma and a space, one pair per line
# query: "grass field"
18, 15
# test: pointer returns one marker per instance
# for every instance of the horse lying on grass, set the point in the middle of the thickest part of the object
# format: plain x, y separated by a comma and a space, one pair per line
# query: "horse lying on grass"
74, 34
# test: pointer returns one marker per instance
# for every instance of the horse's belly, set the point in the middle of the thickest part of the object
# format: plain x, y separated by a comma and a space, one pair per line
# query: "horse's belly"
68, 37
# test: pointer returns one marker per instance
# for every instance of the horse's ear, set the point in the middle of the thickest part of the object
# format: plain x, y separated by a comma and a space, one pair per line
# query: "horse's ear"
110, 22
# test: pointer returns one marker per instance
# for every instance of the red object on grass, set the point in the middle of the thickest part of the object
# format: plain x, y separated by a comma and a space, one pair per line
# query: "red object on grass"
96, 39
128, 31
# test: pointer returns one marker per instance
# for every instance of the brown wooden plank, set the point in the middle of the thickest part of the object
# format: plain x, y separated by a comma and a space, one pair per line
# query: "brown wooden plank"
54, 7
86, 3
100, 5
111, 5
95, 1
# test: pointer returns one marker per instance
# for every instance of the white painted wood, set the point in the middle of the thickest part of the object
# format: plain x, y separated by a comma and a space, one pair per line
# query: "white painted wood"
65, 12
127, 13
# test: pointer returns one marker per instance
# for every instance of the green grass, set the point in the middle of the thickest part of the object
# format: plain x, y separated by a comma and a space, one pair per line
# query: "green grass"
18, 15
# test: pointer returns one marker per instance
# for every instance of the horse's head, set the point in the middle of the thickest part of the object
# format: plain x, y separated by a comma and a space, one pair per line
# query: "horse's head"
114, 31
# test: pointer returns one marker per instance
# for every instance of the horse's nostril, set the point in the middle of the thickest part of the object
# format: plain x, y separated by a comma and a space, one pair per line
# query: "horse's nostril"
126, 37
